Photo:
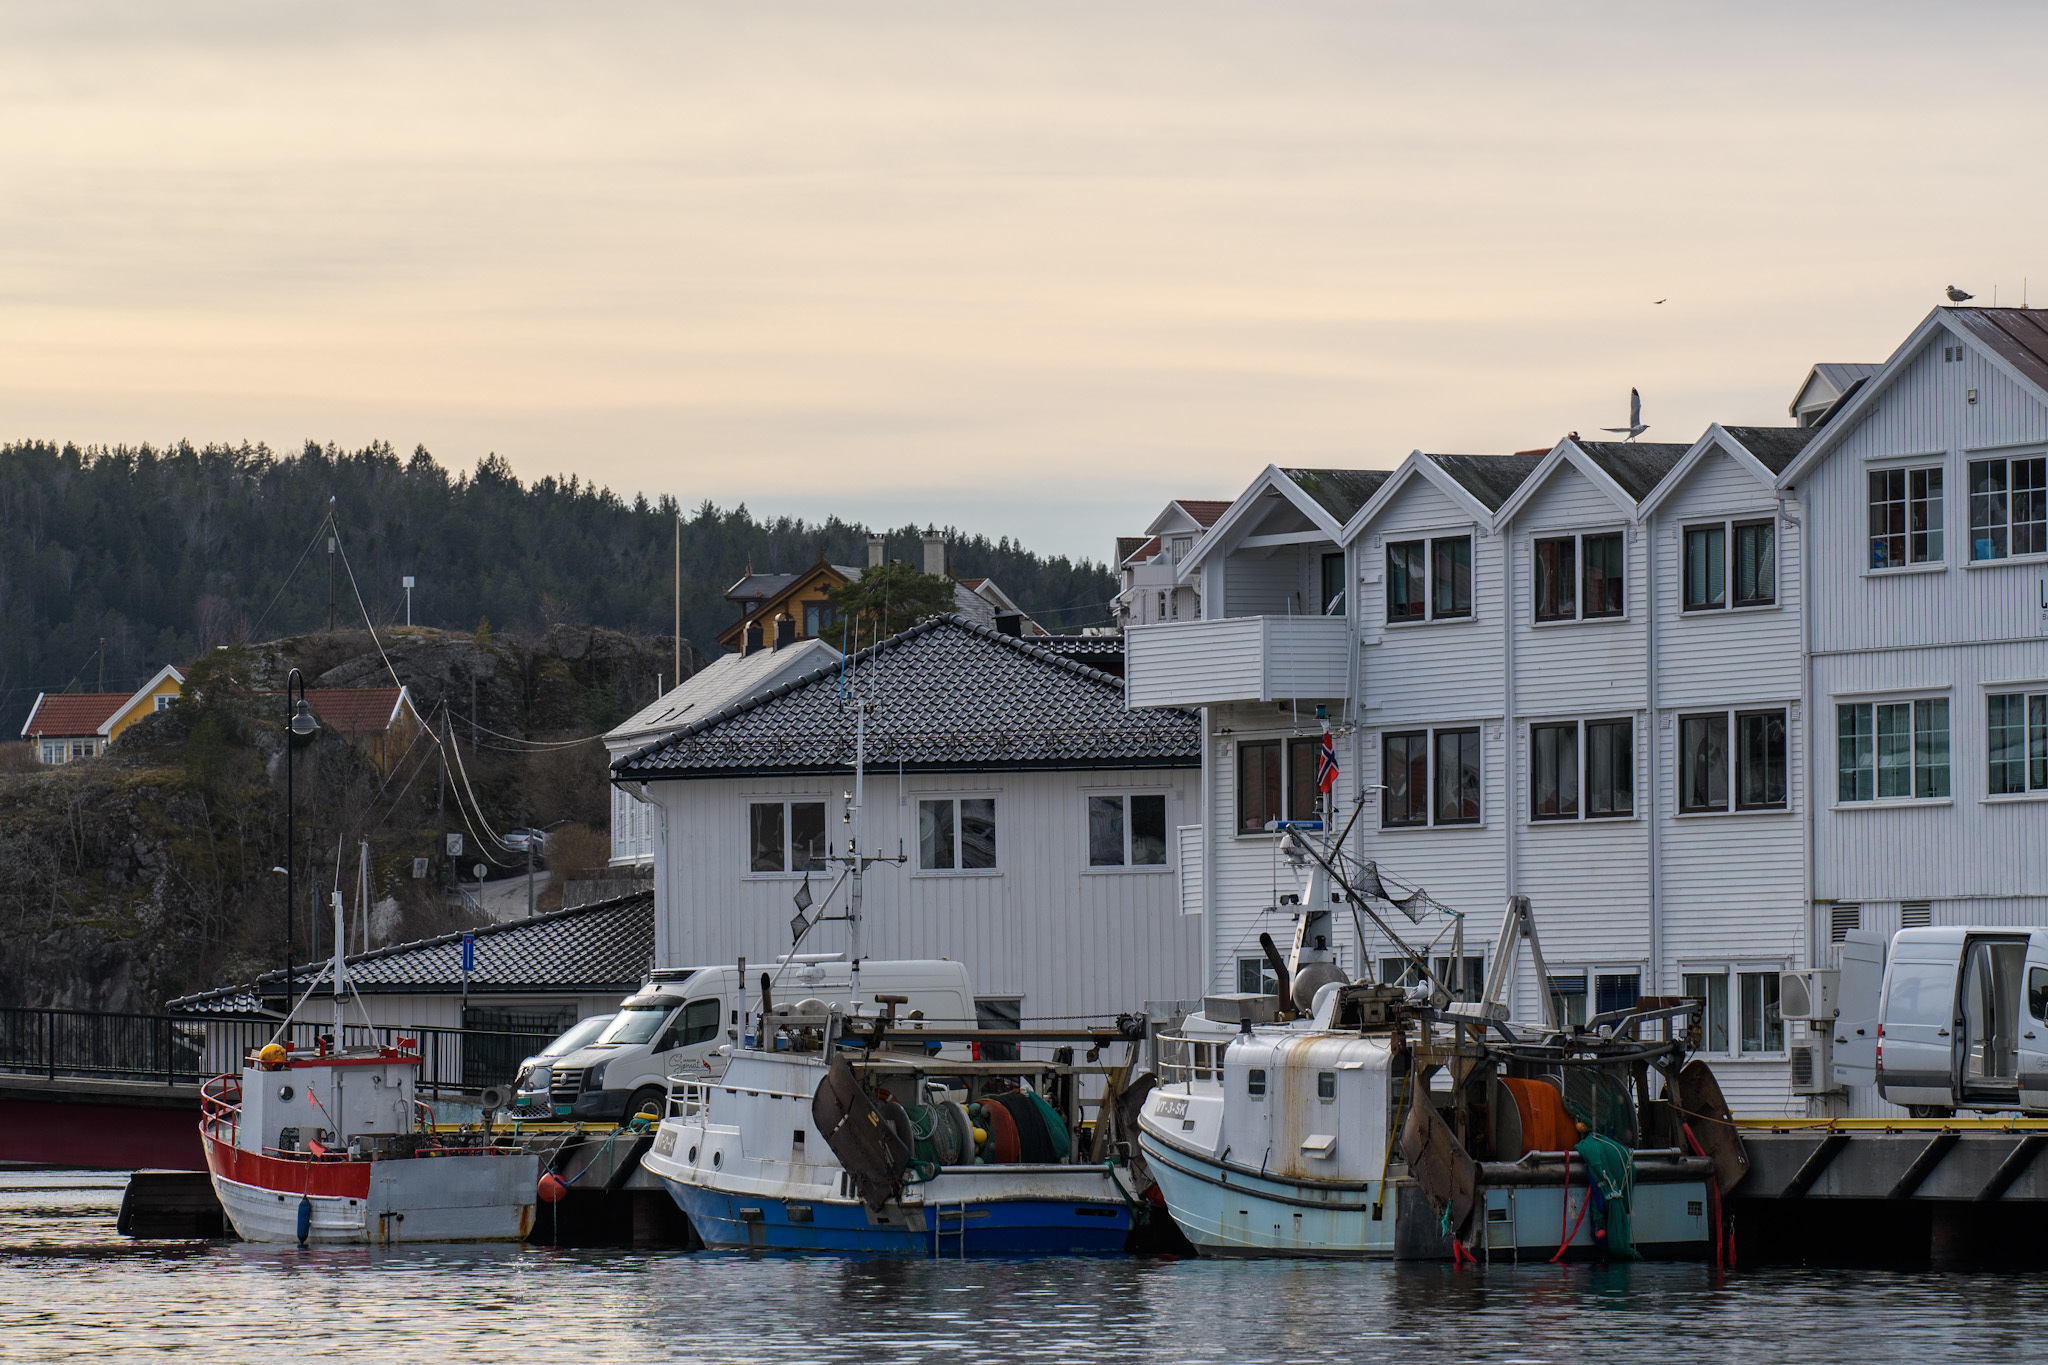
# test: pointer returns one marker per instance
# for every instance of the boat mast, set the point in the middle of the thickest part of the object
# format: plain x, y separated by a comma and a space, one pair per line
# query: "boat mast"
853, 844
339, 972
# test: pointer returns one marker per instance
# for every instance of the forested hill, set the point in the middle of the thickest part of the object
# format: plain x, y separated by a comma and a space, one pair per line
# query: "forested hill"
166, 552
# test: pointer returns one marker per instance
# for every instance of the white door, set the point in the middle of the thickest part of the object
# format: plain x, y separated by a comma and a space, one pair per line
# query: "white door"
1918, 1029
1988, 1018
2033, 1047
1856, 1008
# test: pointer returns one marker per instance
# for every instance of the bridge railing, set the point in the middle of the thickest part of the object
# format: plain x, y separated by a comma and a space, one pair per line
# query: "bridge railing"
179, 1049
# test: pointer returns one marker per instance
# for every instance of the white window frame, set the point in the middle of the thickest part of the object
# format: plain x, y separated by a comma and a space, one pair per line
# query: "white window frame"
747, 804
2028, 691
1729, 995
1430, 733
164, 700
1126, 867
2007, 458
1578, 540
916, 839
1428, 539
1286, 781
1529, 728
1728, 526
1908, 698
1558, 972
1918, 464
1731, 718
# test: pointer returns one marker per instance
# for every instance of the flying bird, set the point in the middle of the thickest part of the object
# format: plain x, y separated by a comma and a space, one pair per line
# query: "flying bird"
1635, 425
1956, 295
1663, 300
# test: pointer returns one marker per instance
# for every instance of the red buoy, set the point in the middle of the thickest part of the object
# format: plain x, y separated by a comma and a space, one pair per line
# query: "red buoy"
552, 1188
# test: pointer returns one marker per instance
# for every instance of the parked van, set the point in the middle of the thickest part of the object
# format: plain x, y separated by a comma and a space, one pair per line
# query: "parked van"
675, 1024
1960, 1022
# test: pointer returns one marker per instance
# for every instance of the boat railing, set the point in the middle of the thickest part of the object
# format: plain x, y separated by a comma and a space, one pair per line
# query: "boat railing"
1183, 1059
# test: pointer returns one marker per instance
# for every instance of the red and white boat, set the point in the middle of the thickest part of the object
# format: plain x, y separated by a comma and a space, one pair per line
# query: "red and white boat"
333, 1145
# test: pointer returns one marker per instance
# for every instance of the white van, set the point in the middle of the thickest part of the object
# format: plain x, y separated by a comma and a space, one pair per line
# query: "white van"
1961, 1021
675, 1024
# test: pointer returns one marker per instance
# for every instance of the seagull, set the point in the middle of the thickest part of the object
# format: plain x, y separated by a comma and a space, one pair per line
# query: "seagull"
1956, 295
1635, 425
1666, 300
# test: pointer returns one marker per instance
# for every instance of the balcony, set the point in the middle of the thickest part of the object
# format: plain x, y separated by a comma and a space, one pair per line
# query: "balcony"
1237, 658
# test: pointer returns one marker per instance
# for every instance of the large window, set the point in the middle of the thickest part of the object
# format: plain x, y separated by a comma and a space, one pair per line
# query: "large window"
1892, 751
1762, 1027
1333, 585
2008, 507
1905, 517
820, 618
1711, 988
1276, 780
1707, 562
1429, 579
1127, 831
1431, 776
956, 834
1580, 578
2018, 742
1751, 770
785, 836
1582, 770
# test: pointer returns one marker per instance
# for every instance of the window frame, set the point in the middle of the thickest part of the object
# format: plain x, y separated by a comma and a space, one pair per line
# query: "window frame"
1124, 798
1431, 736
1337, 603
1578, 539
1727, 530
1912, 702
2009, 494
2033, 726
1933, 534
1287, 746
1580, 727
1431, 612
787, 870
1731, 718
957, 799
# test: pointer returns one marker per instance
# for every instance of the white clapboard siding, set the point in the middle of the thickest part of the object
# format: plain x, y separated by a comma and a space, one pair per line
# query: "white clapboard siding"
1188, 839
1244, 658
1427, 672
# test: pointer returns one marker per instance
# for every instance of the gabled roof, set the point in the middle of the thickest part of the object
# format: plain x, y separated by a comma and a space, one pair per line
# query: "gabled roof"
1774, 447
1312, 492
1762, 451
1141, 548
1832, 377
759, 594
1340, 492
1476, 483
1205, 511
357, 710
728, 679
1492, 479
1625, 471
947, 694
2014, 340
141, 694
72, 715
595, 948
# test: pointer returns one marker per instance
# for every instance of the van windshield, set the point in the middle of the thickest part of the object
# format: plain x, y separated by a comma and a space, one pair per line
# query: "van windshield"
577, 1036
635, 1024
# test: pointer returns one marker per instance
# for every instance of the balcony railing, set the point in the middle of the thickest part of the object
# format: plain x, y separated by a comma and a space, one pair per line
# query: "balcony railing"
1236, 658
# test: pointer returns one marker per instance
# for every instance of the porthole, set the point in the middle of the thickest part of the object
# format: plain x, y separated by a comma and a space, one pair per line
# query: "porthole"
718, 1158
693, 1156
285, 1093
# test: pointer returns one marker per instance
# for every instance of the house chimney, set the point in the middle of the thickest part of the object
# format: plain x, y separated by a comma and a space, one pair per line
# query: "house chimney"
785, 631
876, 540
934, 552
1010, 623
753, 637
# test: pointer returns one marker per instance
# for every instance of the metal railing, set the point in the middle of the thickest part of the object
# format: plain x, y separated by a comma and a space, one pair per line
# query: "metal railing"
187, 1049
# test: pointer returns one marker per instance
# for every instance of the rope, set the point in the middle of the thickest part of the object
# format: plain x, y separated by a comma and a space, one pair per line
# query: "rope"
1585, 1204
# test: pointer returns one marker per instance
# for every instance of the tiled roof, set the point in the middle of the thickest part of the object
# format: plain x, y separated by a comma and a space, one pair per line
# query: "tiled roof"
2018, 335
70, 714
947, 694
1126, 546
1144, 549
1774, 447
1492, 479
1205, 511
725, 680
604, 946
1340, 492
354, 710
1638, 466
756, 587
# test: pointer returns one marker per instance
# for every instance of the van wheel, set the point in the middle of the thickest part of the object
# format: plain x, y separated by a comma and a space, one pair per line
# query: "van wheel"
1930, 1111
647, 1099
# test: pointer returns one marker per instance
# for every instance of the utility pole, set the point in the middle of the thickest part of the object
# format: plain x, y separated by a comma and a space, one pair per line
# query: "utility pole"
529, 873
332, 546
103, 663
408, 599
679, 595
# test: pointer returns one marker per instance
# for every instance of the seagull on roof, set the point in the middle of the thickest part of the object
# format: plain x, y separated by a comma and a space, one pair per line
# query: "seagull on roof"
1956, 295
1635, 425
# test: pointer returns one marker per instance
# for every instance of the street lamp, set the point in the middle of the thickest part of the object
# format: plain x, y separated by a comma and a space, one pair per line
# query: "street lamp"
299, 723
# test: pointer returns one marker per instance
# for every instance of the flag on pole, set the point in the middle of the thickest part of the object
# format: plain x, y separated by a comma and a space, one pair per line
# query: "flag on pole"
1326, 763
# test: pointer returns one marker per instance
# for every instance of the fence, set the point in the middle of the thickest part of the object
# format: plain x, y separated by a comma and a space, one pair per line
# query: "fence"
186, 1049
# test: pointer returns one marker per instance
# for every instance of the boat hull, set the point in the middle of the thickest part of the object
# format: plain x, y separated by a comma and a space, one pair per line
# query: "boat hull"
482, 1198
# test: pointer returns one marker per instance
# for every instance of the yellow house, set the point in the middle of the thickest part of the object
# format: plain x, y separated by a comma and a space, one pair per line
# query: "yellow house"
68, 725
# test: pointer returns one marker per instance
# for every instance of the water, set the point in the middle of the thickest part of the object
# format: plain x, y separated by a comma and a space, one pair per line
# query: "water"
70, 1289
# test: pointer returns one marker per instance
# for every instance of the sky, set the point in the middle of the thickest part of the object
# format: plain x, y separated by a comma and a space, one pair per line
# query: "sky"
1028, 270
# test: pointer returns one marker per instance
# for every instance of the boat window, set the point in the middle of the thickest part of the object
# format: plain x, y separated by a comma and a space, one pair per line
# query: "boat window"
636, 1024
1255, 1081
2037, 992
1326, 1085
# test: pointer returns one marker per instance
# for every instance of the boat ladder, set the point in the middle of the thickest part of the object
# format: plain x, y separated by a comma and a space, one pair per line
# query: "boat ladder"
957, 1216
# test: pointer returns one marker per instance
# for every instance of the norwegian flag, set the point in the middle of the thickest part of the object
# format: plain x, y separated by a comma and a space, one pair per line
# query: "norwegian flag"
1326, 764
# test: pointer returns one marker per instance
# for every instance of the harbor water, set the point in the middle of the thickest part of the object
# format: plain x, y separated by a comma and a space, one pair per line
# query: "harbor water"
71, 1289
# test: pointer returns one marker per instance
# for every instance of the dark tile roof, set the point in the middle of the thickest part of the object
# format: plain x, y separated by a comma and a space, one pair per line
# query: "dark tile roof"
1340, 492
1774, 447
758, 587
1126, 546
2019, 335
947, 694
1492, 479
1638, 466
604, 946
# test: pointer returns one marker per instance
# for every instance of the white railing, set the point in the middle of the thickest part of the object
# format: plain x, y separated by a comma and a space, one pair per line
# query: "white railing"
1183, 1059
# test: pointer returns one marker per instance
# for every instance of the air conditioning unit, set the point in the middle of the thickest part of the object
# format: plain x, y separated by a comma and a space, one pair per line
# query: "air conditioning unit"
1809, 995
1813, 1067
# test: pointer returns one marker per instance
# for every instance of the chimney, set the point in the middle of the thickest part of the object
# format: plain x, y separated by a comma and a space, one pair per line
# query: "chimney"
753, 644
876, 540
785, 631
934, 552
1010, 623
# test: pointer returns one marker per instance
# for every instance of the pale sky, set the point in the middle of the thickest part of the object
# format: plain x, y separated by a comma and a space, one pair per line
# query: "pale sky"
1028, 269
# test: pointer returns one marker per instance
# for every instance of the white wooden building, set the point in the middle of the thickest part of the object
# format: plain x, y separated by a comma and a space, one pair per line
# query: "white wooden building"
1149, 585
1033, 810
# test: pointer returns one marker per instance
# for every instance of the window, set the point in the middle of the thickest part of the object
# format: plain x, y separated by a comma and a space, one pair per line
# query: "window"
786, 836
696, 1022
1712, 988
164, 700
1430, 579
1596, 757
1182, 546
956, 835
1710, 770
1127, 831
1905, 517
999, 1012
2008, 508
1888, 751
81, 748
53, 753
2018, 742
1762, 1028
1431, 777
1267, 769
1255, 977
1614, 991
1466, 984
819, 618
1255, 1082
1568, 998
1706, 564
1326, 1083
1333, 585
1579, 578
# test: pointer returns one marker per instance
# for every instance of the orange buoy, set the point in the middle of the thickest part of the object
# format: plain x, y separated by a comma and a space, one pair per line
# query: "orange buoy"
552, 1188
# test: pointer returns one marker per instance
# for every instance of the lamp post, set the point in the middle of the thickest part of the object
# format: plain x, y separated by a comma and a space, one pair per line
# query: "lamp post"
299, 723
